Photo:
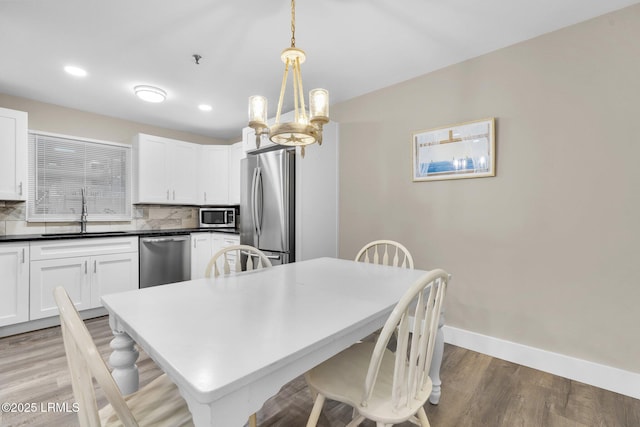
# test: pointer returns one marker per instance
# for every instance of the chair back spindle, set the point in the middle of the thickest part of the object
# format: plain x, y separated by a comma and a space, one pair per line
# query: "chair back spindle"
233, 257
387, 250
86, 363
415, 318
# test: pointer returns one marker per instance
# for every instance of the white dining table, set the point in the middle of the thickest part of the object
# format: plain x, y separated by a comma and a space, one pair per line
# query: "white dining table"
230, 343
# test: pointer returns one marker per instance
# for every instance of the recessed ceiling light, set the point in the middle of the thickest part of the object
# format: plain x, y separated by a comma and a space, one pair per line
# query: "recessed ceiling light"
205, 107
75, 71
150, 93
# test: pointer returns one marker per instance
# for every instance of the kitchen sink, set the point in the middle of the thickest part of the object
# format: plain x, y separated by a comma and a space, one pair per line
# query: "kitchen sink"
95, 233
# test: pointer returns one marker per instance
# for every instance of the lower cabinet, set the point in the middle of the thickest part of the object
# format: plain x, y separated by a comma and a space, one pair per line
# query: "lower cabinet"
107, 265
204, 245
14, 283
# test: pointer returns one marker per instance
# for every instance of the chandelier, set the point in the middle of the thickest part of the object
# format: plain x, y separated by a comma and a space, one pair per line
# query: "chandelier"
305, 128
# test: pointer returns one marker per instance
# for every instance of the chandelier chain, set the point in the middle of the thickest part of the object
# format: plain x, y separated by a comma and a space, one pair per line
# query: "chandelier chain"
293, 23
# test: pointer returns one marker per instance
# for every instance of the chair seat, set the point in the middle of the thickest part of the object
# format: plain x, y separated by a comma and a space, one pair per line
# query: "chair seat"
342, 378
157, 404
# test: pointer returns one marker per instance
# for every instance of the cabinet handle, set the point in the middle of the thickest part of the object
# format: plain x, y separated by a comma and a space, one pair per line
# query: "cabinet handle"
174, 194
20, 188
85, 267
23, 257
205, 196
95, 266
168, 195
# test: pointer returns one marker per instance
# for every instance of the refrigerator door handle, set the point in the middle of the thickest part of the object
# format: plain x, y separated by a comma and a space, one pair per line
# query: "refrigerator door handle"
258, 197
257, 256
254, 201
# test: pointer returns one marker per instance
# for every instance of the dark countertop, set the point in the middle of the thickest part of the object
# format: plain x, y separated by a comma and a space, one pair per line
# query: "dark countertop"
128, 233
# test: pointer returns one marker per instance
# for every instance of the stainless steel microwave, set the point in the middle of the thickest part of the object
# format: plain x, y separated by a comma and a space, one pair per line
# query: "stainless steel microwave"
218, 217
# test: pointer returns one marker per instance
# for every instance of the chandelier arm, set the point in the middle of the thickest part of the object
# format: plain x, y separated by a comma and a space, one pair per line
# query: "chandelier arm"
303, 110
296, 95
282, 90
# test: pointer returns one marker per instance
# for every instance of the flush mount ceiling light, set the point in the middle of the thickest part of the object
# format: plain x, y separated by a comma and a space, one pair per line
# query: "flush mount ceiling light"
306, 128
150, 93
205, 107
75, 71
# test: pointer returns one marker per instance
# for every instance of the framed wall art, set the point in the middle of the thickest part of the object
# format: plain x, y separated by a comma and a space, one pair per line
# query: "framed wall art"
465, 150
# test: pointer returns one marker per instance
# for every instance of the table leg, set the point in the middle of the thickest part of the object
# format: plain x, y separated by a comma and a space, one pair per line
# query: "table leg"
436, 362
123, 361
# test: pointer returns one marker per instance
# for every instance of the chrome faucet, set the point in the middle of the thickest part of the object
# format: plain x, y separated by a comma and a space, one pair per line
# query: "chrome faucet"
83, 215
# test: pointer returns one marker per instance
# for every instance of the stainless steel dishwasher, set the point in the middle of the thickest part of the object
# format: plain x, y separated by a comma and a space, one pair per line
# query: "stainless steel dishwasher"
165, 259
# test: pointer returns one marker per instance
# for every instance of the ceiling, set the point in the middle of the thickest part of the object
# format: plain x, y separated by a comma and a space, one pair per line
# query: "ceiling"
353, 47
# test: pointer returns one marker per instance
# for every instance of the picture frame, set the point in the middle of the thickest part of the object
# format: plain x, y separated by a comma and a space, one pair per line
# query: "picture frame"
465, 150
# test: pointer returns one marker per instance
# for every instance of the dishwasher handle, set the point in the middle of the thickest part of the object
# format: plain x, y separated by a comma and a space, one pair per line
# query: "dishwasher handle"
164, 239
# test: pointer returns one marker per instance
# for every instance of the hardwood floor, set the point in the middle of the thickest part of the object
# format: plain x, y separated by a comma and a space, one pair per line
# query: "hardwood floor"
478, 391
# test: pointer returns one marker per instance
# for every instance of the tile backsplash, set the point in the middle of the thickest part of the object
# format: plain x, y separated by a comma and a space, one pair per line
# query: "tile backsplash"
13, 220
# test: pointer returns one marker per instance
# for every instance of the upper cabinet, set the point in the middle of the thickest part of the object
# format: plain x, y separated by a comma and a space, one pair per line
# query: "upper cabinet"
166, 171
219, 174
13, 161
236, 153
213, 182
174, 172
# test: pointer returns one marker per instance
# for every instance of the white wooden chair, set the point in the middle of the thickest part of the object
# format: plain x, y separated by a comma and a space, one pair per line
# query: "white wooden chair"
384, 386
255, 259
157, 404
385, 252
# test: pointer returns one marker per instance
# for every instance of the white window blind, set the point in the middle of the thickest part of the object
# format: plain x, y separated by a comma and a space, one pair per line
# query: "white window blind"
60, 166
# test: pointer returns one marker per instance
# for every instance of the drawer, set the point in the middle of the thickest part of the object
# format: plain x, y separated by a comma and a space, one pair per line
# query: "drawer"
67, 248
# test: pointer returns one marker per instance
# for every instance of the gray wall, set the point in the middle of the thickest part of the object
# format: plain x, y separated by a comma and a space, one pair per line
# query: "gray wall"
546, 253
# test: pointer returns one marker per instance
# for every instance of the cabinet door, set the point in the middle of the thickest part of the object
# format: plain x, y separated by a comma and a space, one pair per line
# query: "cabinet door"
223, 240
183, 169
214, 175
112, 273
201, 251
235, 155
14, 286
13, 161
46, 275
151, 173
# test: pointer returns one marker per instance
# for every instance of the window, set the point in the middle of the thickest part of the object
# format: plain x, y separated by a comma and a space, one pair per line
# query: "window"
61, 166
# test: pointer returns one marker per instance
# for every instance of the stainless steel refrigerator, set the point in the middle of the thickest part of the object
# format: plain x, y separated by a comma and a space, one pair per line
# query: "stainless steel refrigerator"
267, 204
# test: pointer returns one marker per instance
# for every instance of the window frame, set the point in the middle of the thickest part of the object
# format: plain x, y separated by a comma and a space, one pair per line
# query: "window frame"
92, 216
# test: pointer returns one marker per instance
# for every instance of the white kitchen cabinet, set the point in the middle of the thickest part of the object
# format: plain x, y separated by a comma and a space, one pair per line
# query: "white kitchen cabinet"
14, 285
213, 176
236, 154
166, 171
113, 273
204, 245
219, 174
13, 160
46, 275
183, 170
200, 253
221, 241
87, 268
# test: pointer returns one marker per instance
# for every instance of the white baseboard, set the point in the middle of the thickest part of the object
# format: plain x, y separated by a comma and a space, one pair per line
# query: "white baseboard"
602, 376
